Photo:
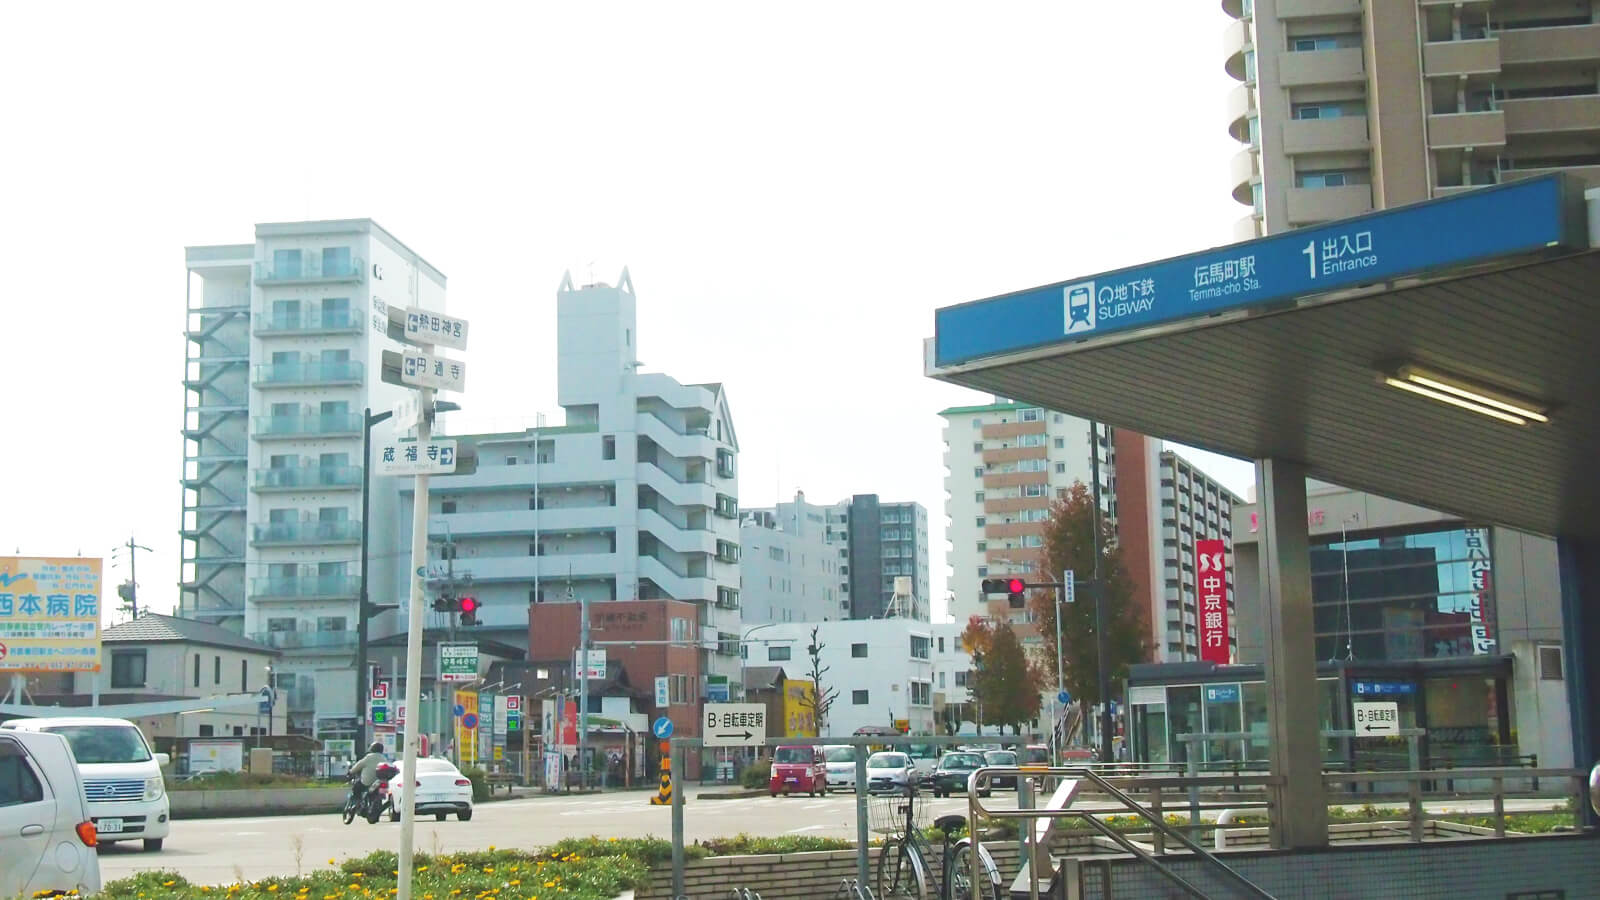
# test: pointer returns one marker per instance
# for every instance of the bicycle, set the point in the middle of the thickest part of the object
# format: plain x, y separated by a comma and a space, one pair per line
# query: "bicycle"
902, 869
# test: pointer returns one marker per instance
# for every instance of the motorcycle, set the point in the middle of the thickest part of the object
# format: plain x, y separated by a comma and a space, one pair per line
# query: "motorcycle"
371, 803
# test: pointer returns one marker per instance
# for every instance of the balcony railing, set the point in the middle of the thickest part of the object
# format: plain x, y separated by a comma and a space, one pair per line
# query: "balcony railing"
307, 373
312, 320
323, 423
306, 586
309, 477
300, 640
306, 532
311, 268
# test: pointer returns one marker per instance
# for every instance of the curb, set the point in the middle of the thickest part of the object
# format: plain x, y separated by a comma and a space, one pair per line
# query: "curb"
728, 795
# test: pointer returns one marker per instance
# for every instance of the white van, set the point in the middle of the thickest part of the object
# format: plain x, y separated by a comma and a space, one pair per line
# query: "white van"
46, 838
121, 776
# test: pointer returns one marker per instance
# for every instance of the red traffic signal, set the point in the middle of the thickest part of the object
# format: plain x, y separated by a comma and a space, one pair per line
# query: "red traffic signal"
468, 607
1016, 586
469, 604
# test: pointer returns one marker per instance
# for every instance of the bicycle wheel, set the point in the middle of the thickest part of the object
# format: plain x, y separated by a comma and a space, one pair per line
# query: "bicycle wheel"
901, 872
964, 883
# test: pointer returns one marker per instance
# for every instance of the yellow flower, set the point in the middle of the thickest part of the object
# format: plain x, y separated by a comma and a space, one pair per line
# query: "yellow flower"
491, 848
272, 889
330, 861
168, 883
514, 882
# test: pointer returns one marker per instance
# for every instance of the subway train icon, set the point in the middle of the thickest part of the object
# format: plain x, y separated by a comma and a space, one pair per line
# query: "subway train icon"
1079, 306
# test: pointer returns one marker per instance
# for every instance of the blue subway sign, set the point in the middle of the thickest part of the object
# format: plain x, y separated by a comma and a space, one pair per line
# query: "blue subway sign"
1475, 226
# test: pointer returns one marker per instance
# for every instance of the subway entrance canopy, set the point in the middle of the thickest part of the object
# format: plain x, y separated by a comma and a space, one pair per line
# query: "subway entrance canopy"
1279, 347
1445, 353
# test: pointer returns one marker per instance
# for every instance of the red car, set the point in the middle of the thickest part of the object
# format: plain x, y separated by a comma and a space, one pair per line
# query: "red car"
798, 769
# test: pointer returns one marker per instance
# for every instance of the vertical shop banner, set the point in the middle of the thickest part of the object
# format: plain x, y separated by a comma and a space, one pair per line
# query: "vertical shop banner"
1211, 572
49, 614
467, 726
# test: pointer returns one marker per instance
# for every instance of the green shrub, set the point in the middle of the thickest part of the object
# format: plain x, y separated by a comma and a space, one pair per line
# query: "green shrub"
480, 783
757, 775
755, 845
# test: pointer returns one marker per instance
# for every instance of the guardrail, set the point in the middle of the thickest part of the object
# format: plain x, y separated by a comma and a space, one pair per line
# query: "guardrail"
1417, 781
1039, 823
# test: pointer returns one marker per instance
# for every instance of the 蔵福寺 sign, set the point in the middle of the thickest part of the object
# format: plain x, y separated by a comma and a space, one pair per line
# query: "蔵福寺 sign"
49, 614
417, 458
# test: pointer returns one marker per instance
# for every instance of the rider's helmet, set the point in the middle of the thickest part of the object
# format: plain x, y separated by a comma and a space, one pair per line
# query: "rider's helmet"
377, 747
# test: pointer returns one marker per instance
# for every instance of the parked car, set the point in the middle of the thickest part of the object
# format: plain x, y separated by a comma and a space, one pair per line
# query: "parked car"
889, 770
953, 773
441, 790
1036, 755
121, 776
840, 760
926, 758
797, 769
47, 840
1001, 758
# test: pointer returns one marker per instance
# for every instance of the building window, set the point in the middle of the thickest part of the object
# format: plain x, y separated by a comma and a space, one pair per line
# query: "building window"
858, 698
977, 423
941, 645
208, 730
446, 507
978, 497
977, 447
1033, 490
1061, 443
921, 693
980, 520
330, 623
778, 654
727, 551
1550, 663
1061, 468
961, 678
608, 447
919, 646
197, 670
977, 471
216, 670
1031, 415
244, 676
681, 629
941, 680
983, 571
1030, 440
727, 507
858, 651
127, 668
725, 466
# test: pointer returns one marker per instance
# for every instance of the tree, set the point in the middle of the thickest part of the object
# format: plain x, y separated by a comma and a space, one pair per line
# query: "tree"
1069, 544
1003, 681
821, 698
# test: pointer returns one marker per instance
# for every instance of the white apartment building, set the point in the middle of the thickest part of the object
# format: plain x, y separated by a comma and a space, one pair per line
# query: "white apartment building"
882, 668
788, 572
634, 497
951, 663
285, 342
1005, 464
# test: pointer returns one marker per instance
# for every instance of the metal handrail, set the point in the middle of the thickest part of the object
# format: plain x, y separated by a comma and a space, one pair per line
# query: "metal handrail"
975, 808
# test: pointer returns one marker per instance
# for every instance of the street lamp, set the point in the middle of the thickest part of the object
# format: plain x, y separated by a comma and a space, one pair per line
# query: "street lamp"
366, 609
744, 640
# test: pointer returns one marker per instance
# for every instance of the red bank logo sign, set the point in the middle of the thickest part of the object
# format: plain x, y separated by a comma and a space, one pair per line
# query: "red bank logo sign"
1211, 567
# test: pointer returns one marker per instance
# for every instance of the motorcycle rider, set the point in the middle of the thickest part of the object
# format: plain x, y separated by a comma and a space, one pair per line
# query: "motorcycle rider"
364, 774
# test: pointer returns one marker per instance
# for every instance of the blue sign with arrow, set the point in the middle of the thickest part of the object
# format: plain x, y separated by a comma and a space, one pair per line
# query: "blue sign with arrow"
1063, 698
662, 728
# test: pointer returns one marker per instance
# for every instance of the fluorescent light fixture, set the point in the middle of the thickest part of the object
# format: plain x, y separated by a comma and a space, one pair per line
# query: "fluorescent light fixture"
1458, 393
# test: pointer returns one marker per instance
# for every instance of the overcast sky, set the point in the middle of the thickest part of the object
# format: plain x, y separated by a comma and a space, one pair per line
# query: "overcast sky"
794, 187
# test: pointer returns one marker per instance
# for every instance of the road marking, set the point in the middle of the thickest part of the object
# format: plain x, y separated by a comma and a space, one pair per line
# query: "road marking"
804, 828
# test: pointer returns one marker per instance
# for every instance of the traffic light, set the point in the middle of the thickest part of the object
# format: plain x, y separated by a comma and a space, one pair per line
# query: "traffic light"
1014, 588
444, 604
468, 607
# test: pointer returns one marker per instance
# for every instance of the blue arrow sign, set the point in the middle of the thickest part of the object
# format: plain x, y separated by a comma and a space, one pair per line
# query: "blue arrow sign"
1063, 698
458, 709
662, 728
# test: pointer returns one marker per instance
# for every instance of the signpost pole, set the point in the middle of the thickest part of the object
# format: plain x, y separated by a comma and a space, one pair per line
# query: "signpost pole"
583, 687
419, 560
677, 816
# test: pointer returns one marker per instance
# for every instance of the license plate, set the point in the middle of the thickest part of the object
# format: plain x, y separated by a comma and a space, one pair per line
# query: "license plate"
108, 826
430, 798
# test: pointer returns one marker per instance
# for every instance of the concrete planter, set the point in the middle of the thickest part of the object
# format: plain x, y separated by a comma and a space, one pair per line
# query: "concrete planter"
213, 804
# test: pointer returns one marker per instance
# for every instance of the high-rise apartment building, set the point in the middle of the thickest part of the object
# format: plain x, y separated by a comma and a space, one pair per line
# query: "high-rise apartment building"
285, 340
633, 498
1347, 106
879, 543
788, 572
1193, 507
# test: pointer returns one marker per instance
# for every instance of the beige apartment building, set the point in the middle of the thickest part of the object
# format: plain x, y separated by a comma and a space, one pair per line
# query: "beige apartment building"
1345, 106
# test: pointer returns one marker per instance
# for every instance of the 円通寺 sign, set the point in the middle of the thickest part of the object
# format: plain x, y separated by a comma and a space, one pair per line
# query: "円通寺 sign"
49, 614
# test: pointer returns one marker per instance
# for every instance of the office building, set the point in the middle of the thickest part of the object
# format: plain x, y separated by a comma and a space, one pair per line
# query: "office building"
876, 543
1345, 107
634, 497
284, 344
882, 669
788, 571
1193, 507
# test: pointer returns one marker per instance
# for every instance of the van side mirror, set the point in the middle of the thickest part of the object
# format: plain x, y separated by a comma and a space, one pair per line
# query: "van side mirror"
163, 760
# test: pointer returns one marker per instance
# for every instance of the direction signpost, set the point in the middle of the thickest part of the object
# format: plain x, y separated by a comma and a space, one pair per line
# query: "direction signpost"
1376, 719
735, 725
407, 457
458, 662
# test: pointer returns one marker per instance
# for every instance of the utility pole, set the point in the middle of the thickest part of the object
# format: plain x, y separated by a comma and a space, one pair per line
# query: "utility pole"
365, 610
129, 592
583, 682
1102, 663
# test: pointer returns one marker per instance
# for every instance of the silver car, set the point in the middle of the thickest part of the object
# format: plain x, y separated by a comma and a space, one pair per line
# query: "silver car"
889, 770
840, 760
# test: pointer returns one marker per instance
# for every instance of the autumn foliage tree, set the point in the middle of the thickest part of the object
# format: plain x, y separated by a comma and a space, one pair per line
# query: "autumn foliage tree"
1004, 680
1069, 545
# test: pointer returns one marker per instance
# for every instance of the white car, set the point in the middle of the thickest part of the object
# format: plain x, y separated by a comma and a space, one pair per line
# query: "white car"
889, 770
441, 790
121, 776
46, 838
840, 760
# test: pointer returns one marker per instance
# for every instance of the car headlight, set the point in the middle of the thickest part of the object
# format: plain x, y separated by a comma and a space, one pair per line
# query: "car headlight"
153, 787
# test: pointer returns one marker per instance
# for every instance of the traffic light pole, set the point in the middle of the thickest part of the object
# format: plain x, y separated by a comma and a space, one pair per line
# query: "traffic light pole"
1102, 663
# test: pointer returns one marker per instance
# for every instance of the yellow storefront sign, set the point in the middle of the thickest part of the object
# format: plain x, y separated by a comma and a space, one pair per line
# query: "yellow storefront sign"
50, 614
467, 725
799, 719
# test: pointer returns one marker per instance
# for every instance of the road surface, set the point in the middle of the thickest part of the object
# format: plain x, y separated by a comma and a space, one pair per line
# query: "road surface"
218, 851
